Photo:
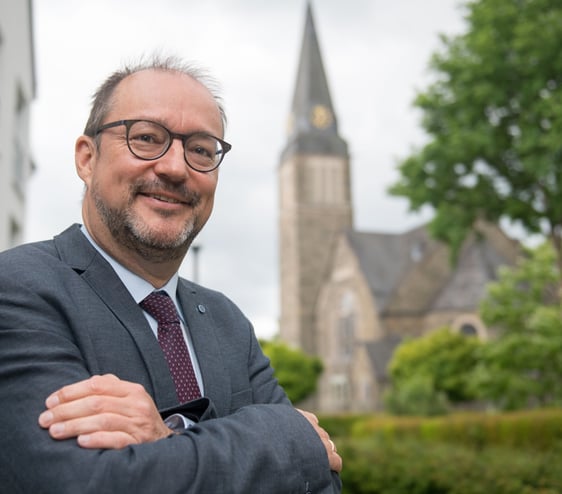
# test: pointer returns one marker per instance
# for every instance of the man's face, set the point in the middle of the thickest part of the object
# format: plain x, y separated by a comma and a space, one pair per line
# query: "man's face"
156, 207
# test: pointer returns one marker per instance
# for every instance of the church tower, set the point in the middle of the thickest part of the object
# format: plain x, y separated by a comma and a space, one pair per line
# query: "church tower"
314, 195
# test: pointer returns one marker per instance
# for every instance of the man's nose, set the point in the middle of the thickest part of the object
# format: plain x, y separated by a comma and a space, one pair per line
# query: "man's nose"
173, 163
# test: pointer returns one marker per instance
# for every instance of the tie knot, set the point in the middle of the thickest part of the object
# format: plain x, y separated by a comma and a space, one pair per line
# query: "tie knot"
160, 306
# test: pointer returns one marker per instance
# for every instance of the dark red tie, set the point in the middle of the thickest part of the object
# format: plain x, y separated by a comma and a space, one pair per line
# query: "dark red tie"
160, 306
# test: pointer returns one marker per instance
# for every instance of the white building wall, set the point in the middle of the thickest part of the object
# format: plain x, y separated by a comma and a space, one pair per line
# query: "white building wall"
17, 90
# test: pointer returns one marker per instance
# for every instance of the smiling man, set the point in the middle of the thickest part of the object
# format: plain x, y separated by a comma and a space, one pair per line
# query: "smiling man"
143, 205
116, 374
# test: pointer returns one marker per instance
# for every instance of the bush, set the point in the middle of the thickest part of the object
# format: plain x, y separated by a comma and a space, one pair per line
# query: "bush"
416, 396
410, 466
539, 430
296, 371
437, 366
341, 425
464, 453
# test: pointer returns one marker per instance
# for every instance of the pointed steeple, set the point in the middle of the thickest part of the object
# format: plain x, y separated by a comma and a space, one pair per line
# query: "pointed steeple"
313, 124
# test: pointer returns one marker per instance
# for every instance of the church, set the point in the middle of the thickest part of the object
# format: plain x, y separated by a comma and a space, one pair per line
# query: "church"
350, 297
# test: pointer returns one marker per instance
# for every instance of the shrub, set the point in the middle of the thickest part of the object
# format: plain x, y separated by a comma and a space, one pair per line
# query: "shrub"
416, 396
533, 430
410, 466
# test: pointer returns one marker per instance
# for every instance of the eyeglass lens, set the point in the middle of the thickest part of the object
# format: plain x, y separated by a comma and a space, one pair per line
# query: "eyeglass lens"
149, 140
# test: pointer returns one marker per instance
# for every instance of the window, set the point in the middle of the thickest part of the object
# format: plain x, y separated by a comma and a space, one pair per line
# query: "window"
346, 327
325, 183
470, 325
20, 129
15, 233
468, 330
339, 388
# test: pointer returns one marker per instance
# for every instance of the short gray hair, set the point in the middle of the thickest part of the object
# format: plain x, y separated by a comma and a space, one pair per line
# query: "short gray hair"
103, 97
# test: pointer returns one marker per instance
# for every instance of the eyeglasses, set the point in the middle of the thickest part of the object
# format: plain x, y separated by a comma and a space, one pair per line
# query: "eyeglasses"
149, 141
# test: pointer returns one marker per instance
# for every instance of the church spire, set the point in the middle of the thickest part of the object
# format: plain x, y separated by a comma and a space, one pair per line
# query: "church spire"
314, 198
313, 124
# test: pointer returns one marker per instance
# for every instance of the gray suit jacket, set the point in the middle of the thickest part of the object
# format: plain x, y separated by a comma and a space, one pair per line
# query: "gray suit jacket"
65, 315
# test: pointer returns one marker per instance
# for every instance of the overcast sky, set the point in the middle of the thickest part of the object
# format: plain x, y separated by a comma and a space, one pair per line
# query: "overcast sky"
375, 53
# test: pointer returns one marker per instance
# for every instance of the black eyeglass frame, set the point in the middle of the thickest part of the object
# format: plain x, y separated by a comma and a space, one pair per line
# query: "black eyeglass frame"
226, 147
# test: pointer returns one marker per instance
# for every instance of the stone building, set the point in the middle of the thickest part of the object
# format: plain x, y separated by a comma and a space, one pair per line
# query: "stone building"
347, 296
315, 194
17, 91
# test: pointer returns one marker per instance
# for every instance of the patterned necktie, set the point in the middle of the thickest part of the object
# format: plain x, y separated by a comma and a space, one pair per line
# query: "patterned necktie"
160, 306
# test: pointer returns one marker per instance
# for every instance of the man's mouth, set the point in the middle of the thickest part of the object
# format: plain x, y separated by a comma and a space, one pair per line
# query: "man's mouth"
166, 193
169, 200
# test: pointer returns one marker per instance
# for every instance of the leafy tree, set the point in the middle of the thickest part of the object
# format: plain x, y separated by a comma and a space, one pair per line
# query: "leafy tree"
522, 366
511, 302
494, 120
296, 371
416, 395
443, 358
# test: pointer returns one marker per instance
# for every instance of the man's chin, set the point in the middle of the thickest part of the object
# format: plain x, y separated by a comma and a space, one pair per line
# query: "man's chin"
160, 250
165, 241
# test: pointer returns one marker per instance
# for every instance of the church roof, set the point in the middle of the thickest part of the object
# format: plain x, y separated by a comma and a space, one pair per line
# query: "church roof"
385, 258
411, 273
313, 121
478, 264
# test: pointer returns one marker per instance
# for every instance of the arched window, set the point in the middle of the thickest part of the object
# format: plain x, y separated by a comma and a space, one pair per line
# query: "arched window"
470, 325
339, 388
468, 330
346, 326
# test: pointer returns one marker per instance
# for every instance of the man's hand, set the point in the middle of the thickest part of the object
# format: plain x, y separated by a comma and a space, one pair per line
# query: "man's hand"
334, 459
103, 412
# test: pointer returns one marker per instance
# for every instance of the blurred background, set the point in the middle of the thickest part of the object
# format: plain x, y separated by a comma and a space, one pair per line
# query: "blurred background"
418, 310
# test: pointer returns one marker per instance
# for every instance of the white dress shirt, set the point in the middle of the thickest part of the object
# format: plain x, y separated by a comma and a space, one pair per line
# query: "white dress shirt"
140, 289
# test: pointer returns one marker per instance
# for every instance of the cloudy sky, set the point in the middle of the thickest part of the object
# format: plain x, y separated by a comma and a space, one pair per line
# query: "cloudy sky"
375, 54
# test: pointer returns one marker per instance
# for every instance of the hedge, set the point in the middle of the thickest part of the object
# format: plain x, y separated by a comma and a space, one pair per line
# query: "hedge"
465, 453
535, 429
410, 466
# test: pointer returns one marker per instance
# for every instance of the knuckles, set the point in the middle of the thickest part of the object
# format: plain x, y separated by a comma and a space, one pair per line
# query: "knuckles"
137, 388
102, 383
96, 404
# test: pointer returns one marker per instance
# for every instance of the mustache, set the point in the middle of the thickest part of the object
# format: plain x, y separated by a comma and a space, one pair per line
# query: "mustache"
180, 191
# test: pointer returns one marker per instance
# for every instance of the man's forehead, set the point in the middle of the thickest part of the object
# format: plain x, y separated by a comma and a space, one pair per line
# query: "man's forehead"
158, 77
148, 92
161, 87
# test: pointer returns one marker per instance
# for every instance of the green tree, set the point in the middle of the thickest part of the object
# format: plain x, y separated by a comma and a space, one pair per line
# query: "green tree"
511, 302
436, 365
296, 371
522, 366
493, 117
416, 395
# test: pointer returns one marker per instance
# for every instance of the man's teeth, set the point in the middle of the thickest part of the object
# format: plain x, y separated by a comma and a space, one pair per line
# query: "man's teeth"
165, 199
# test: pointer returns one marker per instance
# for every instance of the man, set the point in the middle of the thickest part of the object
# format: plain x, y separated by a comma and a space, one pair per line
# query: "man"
91, 398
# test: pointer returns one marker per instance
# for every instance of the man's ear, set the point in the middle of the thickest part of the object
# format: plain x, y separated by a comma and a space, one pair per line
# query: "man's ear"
85, 153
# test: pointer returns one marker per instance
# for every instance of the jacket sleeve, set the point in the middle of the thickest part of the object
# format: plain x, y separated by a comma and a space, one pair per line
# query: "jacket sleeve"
263, 447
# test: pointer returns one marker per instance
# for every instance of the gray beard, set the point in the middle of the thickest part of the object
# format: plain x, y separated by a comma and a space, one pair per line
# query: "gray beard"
129, 230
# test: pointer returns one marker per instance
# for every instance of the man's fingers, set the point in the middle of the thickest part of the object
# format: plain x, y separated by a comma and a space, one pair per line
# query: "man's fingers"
105, 412
336, 462
313, 419
105, 440
108, 422
83, 407
334, 459
107, 384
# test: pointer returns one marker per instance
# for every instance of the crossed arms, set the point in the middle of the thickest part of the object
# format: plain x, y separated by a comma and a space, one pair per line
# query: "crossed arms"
67, 424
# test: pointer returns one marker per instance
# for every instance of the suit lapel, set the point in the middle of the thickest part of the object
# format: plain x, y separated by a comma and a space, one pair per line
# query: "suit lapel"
75, 249
206, 345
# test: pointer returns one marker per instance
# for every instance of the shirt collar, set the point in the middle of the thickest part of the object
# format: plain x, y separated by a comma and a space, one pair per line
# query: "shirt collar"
138, 287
